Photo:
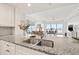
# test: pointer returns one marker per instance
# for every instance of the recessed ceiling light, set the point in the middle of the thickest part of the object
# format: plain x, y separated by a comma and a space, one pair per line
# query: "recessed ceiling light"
28, 4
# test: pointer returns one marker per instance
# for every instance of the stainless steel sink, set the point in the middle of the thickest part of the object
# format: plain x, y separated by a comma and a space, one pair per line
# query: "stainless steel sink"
47, 43
40, 42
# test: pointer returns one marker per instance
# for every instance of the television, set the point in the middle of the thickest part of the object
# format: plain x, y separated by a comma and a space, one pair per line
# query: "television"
70, 27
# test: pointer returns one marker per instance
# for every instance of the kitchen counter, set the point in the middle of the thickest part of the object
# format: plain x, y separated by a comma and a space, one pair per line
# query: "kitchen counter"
62, 45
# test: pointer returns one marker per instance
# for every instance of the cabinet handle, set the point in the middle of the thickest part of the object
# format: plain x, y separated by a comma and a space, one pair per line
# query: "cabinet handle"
7, 50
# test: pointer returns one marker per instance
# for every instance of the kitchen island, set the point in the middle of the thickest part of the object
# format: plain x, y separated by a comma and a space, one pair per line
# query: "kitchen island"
62, 45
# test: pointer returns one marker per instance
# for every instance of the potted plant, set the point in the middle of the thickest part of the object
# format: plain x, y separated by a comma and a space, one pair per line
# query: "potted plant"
24, 26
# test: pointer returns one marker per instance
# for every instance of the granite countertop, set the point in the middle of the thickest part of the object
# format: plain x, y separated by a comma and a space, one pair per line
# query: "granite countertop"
62, 45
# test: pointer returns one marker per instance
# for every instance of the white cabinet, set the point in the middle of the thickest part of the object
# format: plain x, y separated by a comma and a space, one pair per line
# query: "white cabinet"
0, 46
26, 51
6, 15
7, 48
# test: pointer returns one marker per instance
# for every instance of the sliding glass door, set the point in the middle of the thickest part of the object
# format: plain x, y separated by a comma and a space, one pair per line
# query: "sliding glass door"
60, 28
56, 29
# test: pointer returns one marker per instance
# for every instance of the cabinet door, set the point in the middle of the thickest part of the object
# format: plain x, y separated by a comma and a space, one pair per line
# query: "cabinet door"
7, 48
6, 15
26, 51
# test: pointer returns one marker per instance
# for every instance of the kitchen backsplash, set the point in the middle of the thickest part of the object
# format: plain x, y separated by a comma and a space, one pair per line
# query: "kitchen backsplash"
6, 30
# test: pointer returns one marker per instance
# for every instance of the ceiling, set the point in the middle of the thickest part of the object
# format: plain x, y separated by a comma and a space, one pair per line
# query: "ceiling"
38, 7
47, 11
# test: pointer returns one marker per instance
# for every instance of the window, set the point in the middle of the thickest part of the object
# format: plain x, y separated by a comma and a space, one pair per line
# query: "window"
30, 29
53, 26
59, 28
48, 26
